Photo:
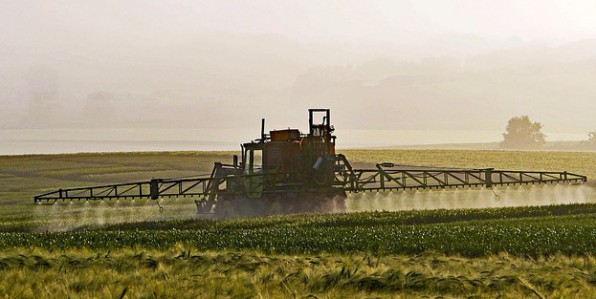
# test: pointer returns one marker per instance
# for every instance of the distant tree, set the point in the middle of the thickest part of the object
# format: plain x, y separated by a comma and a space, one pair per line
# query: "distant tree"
589, 144
521, 133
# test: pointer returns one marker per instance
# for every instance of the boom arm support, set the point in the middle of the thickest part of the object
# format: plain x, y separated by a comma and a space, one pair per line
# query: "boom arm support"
152, 189
383, 178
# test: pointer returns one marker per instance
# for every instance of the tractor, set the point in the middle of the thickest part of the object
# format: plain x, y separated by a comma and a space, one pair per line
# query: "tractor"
288, 171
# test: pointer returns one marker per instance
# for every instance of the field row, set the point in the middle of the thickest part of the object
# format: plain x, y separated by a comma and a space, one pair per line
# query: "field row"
364, 219
570, 235
197, 274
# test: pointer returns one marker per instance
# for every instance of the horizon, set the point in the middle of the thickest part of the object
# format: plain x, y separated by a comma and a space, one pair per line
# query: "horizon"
427, 66
68, 141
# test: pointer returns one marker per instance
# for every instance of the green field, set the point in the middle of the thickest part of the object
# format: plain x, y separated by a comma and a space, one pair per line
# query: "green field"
124, 249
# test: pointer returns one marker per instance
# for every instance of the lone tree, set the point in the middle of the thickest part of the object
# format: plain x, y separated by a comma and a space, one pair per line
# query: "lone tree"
592, 137
521, 133
589, 144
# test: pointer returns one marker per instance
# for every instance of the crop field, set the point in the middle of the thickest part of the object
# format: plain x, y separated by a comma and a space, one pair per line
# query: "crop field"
191, 273
534, 242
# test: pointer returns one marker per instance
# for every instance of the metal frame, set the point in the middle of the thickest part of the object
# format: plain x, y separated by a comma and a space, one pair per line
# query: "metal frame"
405, 179
150, 190
349, 180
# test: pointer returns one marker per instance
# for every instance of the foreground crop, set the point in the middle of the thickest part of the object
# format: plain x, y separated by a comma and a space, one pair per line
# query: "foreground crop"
379, 233
182, 272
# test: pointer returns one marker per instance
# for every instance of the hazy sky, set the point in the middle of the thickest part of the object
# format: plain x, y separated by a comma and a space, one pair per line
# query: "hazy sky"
77, 21
433, 65
388, 21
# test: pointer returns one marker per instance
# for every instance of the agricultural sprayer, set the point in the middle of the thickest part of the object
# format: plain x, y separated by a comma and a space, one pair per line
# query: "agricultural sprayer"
287, 171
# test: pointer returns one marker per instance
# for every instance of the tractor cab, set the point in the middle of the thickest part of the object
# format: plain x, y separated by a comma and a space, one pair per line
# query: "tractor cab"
291, 160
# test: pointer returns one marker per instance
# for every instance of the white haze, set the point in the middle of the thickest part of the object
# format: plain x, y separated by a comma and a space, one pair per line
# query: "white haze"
444, 66
471, 198
64, 216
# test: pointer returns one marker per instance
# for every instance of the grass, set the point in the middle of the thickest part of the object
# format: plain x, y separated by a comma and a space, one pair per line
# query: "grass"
505, 252
186, 272
384, 233
22, 177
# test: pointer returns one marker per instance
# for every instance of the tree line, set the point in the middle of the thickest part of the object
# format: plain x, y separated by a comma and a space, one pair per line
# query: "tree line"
523, 133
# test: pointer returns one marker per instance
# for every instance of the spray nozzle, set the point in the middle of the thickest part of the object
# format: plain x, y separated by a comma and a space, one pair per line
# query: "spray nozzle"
497, 195
159, 205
